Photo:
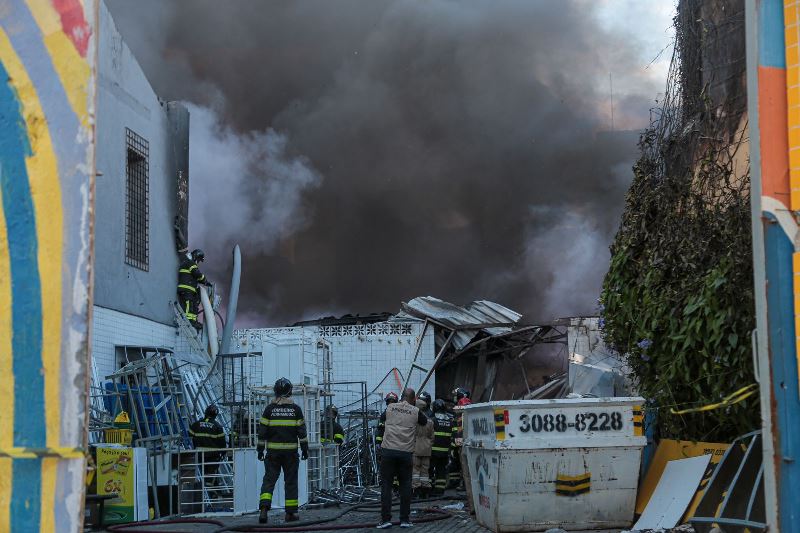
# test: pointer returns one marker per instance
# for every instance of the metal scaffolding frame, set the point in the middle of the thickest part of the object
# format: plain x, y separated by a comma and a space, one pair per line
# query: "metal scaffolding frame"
205, 481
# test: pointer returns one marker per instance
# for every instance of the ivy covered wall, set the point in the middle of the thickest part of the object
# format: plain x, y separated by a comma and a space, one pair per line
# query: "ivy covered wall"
678, 297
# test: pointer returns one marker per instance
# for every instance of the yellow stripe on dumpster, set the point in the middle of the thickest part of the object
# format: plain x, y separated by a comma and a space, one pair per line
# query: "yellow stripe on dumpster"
499, 424
638, 421
573, 485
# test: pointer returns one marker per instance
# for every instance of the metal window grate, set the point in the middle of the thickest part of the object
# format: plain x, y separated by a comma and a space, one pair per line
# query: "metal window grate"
137, 204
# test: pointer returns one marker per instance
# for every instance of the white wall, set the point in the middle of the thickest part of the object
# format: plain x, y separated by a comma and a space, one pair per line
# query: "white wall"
126, 100
358, 353
368, 353
112, 328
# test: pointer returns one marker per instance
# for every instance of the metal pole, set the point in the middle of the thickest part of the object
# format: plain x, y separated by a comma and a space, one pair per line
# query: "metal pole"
774, 231
435, 362
416, 352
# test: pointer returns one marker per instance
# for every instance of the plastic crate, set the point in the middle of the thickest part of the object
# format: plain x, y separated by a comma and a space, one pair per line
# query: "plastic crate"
118, 436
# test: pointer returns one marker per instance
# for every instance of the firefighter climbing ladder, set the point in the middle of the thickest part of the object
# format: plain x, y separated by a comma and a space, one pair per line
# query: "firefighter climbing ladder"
188, 332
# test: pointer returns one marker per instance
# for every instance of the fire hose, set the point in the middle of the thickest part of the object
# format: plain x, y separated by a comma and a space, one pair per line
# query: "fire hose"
321, 524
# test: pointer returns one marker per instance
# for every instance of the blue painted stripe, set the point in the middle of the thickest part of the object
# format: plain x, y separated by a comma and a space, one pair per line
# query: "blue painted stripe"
26, 495
63, 124
771, 44
780, 308
26, 307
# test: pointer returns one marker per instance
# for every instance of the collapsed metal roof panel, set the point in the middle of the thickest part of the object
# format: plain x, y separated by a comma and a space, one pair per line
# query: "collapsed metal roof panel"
483, 314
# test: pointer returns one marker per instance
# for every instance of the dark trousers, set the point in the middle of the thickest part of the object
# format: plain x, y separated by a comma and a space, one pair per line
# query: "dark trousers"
190, 303
400, 464
454, 475
275, 462
439, 472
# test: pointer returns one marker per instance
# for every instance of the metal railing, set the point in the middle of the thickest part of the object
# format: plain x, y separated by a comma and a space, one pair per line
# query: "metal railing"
205, 481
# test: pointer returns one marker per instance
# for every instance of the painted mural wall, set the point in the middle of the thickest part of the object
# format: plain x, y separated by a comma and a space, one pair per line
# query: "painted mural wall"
47, 68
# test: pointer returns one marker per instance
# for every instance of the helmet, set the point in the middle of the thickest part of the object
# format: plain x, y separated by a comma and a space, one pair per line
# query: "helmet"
390, 398
211, 411
198, 255
459, 393
438, 406
332, 410
283, 388
425, 397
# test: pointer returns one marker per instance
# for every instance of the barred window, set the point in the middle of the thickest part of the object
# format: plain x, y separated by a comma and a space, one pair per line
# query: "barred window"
137, 200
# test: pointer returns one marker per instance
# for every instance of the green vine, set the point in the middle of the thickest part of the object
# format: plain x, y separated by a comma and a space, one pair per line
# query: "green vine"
677, 300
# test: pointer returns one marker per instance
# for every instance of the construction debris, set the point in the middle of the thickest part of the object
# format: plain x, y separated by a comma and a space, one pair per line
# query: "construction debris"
673, 494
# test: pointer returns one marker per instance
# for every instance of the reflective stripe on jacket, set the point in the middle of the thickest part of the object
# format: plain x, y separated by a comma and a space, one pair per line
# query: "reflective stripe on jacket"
207, 433
189, 276
282, 427
338, 432
442, 434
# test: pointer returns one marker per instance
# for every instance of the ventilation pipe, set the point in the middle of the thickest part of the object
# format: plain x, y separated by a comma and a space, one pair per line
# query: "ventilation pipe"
210, 323
233, 301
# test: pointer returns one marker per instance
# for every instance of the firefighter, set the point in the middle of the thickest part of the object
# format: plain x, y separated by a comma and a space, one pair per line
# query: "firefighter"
426, 397
420, 476
280, 429
442, 445
207, 434
389, 399
330, 425
189, 276
459, 467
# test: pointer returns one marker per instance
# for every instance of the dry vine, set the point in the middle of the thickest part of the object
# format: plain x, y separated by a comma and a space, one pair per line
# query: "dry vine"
678, 297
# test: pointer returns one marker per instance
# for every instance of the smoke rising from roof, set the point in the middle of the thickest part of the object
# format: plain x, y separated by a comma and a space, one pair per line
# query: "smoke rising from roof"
364, 153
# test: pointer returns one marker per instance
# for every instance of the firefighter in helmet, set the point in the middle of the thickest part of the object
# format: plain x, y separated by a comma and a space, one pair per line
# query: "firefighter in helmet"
331, 430
189, 278
280, 430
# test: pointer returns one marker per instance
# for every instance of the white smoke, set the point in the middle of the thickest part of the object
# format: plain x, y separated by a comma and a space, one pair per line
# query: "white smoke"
245, 188
575, 250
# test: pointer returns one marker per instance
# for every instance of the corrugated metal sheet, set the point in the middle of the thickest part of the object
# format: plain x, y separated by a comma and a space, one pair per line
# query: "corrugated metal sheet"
478, 312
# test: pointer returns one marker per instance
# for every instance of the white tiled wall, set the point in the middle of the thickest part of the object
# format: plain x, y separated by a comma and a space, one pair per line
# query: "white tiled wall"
112, 328
361, 354
371, 358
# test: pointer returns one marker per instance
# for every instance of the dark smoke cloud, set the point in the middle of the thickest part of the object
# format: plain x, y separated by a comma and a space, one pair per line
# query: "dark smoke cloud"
366, 152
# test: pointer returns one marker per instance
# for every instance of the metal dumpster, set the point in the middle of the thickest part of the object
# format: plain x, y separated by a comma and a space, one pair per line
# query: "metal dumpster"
568, 463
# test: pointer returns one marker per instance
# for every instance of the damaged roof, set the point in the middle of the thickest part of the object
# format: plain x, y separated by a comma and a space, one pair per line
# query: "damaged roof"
490, 317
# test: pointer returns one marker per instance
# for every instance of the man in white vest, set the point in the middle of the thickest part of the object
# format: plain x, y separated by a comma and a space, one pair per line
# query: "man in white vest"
398, 439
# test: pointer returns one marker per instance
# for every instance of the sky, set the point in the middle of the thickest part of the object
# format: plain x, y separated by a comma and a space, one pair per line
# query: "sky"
365, 153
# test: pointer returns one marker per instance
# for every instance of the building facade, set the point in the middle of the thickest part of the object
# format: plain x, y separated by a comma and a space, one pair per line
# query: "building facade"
142, 155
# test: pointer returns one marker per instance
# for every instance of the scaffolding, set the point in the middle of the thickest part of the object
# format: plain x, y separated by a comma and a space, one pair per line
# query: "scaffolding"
358, 460
238, 374
151, 390
205, 481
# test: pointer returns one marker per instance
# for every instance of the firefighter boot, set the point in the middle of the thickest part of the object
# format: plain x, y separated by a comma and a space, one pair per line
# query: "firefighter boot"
262, 514
291, 517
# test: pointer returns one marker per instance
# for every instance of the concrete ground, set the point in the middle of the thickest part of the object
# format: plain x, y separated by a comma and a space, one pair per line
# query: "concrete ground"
458, 521
362, 520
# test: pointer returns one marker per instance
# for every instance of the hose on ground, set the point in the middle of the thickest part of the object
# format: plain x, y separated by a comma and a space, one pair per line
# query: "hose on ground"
307, 525
435, 514
129, 528
365, 507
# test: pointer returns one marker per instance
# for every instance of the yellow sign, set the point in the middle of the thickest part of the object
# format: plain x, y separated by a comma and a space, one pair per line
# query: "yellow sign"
670, 450
115, 476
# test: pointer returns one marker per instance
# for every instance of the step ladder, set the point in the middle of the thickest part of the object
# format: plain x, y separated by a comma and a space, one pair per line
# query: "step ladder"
188, 332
